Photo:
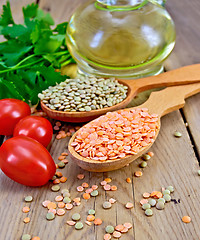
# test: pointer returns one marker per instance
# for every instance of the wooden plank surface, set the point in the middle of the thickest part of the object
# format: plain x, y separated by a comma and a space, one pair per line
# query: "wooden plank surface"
174, 164
187, 52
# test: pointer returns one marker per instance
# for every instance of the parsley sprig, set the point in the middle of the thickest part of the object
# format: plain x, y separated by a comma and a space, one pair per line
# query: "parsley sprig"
31, 53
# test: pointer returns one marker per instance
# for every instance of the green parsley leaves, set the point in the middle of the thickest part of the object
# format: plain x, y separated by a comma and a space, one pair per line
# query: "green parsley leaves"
31, 53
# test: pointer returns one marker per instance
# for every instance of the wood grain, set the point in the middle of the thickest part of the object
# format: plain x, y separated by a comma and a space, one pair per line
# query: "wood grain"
186, 52
174, 163
62, 10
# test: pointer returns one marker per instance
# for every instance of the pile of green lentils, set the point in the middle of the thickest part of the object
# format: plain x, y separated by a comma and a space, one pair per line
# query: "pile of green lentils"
85, 93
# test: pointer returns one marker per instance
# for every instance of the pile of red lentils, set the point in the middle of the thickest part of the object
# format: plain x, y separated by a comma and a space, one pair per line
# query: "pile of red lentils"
116, 134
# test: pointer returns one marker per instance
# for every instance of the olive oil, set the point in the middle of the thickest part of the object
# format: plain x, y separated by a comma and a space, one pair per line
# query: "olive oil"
120, 40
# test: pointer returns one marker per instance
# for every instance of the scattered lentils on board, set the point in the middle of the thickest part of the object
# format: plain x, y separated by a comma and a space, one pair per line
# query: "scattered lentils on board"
85, 93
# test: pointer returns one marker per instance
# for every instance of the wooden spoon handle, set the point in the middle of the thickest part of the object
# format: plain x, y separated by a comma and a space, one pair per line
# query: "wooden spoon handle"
180, 76
170, 99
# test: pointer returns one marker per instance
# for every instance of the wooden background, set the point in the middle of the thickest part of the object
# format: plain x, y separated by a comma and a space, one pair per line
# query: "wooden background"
175, 161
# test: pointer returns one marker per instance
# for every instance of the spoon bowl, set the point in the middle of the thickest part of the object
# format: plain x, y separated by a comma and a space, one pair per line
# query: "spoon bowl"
108, 165
180, 76
161, 103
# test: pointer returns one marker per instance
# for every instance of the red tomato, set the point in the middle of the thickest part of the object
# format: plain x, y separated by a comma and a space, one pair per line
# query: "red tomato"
38, 128
26, 161
11, 111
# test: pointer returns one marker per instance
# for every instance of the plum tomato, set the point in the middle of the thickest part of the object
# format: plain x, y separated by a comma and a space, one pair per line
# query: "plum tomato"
35, 127
11, 111
26, 161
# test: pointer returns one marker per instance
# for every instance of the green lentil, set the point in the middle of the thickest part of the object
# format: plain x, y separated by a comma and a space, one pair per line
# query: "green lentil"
160, 205
85, 89
161, 200
91, 212
50, 216
78, 225
64, 190
66, 194
107, 205
110, 229
28, 199
76, 217
87, 108
143, 164
152, 202
53, 178
67, 200
61, 165
94, 193
55, 188
146, 157
177, 134
166, 191
148, 212
146, 206
170, 188
26, 237
167, 197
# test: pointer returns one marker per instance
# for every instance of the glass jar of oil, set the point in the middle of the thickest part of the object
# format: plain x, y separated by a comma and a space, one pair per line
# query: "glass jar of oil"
121, 38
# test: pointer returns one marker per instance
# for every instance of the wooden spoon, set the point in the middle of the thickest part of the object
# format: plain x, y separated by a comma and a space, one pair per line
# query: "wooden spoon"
161, 103
180, 76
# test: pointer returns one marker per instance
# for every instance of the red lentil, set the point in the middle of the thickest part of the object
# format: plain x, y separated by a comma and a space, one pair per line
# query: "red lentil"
60, 212
51, 205
143, 201
129, 205
80, 176
119, 228
113, 188
26, 220
63, 179
52, 210
25, 209
35, 238
108, 180
59, 174
97, 221
128, 225
151, 154
45, 203
71, 223
86, 196
61, 157
58, 198
128, 180
107, 187
116, 234
64, 154
85, 185
61, 205
138, 173
186, 219
56, 181
88, 223
146, 195
90, 218
107, 236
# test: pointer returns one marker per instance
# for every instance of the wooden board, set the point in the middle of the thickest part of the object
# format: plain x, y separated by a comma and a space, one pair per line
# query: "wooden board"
174, 164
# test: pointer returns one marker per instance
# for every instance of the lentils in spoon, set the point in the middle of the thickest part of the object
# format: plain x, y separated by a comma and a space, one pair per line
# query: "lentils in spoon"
116, 134
85, 93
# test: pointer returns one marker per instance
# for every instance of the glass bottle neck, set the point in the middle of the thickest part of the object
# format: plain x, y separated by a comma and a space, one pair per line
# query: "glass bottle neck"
120, 4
